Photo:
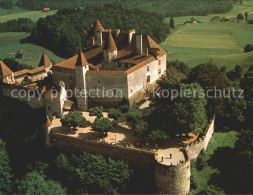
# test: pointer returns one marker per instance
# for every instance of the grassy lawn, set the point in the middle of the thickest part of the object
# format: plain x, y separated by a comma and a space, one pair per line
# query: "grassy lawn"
10, 44
219, 41
16, 13
202, 177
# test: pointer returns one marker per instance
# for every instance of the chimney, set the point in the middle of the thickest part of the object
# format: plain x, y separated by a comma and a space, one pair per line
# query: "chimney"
92, 41
146, 51
99, 38
139, 42
130, 35
117, 32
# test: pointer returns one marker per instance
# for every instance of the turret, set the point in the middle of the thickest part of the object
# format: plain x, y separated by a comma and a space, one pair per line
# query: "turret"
81, 66
110, 51
44, 61
6, 75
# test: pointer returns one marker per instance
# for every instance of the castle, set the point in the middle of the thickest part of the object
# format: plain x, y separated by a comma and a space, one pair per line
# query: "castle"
124, 65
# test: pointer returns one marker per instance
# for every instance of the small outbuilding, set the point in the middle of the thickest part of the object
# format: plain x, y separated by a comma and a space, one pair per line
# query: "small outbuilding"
20, 54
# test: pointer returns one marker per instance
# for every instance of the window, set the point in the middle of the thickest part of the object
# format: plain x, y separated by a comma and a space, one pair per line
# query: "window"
148, 79
126, 65
159, 62
159, 71
119, 64
48, 108
147, 68
70, 78
98, 81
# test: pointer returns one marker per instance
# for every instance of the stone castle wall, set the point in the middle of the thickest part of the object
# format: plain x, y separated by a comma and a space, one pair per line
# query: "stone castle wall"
201, 143
169, 179
19, 93
174, 179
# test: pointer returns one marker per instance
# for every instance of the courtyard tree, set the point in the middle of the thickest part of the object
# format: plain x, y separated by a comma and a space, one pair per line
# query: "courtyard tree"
97, 111
158, 136
141, 129
73, 119
134, 116
114, 113
102, 126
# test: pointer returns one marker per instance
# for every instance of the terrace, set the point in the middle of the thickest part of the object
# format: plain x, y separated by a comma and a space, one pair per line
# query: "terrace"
168, 153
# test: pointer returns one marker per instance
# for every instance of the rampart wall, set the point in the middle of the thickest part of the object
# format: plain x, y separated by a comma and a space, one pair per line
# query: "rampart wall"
201, 143
169, 179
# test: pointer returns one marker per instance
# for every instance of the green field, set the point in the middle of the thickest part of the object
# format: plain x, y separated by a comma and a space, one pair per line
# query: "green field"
223, 42
202, 177
246, 6
10, 44
16, 13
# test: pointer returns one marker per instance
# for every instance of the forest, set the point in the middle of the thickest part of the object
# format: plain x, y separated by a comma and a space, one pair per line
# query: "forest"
64, 33
167, 8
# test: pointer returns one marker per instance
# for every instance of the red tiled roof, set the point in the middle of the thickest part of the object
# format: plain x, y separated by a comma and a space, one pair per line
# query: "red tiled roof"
81, 60
69, 65
48, 122
44, 61
110, 43
29, 72
4, 70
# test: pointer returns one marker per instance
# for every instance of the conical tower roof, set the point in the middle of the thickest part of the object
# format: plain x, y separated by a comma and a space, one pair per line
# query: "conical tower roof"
48, 122
98, 26
110, 43
4, 70
44, 61
81, 60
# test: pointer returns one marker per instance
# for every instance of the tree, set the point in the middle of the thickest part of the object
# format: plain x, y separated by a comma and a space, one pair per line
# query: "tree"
246, 16
158, 136
97, 111
247, 84
124, 108
210, 78
189, 113
114, 113
248, 48
171, 79
236, 73
180, 66
73, 119
134, 116
34, 183
172, 23
93, 174
141, 129
102, 125
5, 170
240, 16
7, 4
